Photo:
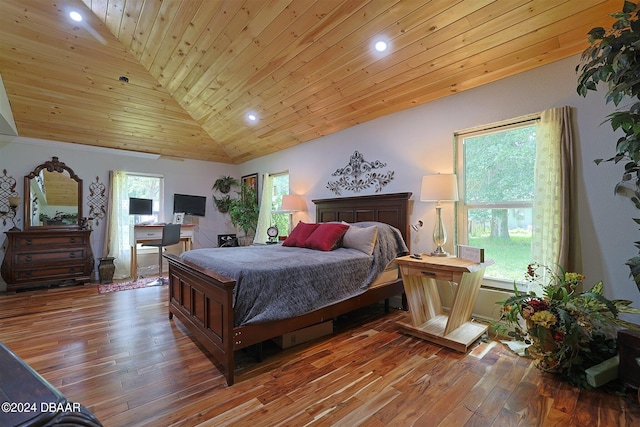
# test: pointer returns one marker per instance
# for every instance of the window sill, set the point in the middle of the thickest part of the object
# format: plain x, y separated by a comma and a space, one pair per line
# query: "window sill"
503, 285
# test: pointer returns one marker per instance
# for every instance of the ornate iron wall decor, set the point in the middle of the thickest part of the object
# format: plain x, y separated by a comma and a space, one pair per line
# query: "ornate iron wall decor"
97, 201
7, 191
359, 174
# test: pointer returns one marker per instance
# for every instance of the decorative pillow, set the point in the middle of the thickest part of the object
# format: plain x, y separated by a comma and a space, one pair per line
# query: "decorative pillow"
361, 238
299, 234
326, 236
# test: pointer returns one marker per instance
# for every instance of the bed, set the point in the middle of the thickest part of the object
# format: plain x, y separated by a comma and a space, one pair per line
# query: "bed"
203, 299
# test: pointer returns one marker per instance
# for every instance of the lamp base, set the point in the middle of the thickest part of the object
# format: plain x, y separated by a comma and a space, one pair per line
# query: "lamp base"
439, 252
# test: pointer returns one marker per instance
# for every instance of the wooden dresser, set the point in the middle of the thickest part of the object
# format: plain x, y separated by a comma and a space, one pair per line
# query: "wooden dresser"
38, 257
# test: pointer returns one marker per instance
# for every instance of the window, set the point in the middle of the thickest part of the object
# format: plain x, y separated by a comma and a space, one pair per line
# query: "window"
120, 228
146, 187
274, 186
280, 219
496, 172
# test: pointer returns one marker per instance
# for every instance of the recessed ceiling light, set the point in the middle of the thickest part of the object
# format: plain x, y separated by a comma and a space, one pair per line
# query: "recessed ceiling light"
75, 16
381, 46
252, 118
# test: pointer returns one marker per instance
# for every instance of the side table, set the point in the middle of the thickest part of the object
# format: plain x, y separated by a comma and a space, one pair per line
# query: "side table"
426, 318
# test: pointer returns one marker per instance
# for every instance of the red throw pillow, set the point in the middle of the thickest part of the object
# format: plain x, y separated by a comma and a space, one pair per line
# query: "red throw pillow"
299, 234
326, 236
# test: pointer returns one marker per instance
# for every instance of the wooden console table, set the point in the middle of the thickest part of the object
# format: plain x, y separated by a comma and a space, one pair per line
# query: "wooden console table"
426, 318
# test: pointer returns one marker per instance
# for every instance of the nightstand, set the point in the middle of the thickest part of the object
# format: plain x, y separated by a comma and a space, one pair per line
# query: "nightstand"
426, 318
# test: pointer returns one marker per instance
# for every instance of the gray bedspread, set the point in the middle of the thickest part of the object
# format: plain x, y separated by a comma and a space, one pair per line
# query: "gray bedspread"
275, 282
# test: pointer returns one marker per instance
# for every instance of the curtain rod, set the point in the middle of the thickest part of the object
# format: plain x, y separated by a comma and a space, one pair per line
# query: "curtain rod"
524, 119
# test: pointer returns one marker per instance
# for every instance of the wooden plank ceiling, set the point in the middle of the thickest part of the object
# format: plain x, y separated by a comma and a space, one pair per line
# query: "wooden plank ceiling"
306, 68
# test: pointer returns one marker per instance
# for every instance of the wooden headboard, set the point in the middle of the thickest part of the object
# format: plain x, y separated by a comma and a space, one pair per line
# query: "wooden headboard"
392, 209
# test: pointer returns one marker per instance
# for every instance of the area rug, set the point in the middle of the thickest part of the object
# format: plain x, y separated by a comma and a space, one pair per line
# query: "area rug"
125, 286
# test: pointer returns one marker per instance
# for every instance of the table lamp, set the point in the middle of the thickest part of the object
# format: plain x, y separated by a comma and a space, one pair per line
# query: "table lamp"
439, 188
293, 203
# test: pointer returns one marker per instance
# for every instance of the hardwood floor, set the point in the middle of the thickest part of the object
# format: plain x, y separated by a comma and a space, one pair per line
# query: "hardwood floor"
120, 355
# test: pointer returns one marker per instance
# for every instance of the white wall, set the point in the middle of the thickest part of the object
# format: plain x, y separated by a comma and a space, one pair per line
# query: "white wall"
20, 156
413, 143
420, 141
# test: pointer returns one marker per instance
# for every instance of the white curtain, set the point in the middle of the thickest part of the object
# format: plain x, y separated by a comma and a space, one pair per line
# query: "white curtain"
118, 241
553, 185
264, 217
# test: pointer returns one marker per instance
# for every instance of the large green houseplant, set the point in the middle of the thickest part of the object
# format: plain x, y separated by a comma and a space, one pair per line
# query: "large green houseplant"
244, 210
614, 59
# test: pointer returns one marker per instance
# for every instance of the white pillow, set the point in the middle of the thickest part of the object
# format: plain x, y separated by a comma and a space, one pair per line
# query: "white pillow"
362, 239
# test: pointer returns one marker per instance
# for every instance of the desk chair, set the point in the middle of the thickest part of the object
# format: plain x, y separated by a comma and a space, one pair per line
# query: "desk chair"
170, 236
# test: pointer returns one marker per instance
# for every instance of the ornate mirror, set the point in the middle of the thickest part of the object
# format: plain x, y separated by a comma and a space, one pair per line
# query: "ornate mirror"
55, 196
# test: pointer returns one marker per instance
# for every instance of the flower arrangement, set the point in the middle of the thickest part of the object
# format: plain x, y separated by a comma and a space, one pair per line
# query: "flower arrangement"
566, 331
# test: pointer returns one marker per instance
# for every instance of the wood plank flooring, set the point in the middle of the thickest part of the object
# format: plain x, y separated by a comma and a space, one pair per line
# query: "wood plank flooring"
120, 355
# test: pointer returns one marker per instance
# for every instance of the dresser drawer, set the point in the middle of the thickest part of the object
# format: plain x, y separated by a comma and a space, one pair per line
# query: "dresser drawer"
50, 256
52, 273
40, 242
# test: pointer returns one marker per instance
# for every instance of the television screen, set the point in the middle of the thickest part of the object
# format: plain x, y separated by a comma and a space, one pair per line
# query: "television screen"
190, 205
140, 206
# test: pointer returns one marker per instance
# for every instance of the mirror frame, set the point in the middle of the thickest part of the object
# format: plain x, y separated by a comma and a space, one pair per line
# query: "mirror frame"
53, 165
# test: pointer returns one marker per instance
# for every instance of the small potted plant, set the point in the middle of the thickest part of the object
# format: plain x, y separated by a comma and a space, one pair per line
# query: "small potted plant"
222, 203
224, 184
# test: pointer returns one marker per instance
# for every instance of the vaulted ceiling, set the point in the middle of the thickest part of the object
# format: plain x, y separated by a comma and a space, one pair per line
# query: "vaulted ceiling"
305, 68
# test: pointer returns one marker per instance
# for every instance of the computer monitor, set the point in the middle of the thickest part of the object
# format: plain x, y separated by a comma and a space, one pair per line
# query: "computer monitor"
139, 206
189, 205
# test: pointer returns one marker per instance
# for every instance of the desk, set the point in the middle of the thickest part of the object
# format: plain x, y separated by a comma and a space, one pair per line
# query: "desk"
148, 233
426, 318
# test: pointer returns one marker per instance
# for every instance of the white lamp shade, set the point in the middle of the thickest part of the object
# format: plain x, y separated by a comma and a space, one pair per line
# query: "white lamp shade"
293, 203
439, 188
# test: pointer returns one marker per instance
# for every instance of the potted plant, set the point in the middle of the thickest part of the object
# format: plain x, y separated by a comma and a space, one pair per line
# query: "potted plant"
222, 203
614, 59
565, 331
224, 184
244, 210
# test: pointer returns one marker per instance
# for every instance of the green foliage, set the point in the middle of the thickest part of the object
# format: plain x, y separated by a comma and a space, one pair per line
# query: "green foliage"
614, 59
224, 184
223, 203
509, 255
244, 209
499, 166
567, 332
60, 218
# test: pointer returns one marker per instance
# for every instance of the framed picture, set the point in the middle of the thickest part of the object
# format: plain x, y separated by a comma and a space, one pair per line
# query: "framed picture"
178, 217
251, 181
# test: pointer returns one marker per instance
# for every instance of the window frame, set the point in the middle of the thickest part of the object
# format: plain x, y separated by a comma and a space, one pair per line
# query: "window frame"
461, 210
160, 214
280, 211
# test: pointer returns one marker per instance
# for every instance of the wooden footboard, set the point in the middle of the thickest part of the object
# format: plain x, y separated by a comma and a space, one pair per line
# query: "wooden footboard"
202, 300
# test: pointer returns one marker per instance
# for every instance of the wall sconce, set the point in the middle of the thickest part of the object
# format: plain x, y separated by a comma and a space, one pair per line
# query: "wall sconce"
417, 225
439, 188
14, 202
